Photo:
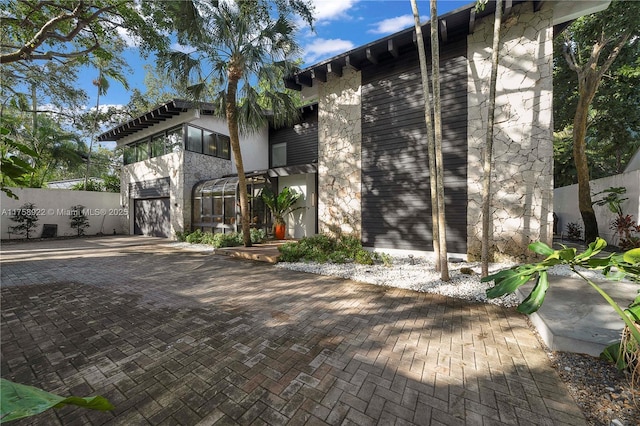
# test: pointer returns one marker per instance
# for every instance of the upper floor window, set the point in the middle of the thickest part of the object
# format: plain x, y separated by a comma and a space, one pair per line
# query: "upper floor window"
172, 140
208, 142
158, 144
279, 154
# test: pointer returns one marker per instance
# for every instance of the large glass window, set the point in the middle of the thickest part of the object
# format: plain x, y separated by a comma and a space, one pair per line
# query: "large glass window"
129, 154
142, 150
211, 143
174, 140
194, 139
198, 140
157, 145
279, 154
224, 147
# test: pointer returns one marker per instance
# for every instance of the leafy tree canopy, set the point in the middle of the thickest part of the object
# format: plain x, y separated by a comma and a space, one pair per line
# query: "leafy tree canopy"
46, 43
613, 130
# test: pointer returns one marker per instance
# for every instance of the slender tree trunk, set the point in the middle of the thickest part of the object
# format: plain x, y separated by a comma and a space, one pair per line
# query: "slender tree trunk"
93, 131
430, 138
589, 77
437, 130
488, 152
585, 203
234, 135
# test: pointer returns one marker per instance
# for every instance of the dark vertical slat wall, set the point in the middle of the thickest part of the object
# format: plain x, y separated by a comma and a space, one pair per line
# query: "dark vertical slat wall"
301, 139
396, 203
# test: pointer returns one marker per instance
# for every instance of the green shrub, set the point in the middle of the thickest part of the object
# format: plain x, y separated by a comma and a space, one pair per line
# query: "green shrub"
218, 240
321, 248
258, 235
364, 257
195, 237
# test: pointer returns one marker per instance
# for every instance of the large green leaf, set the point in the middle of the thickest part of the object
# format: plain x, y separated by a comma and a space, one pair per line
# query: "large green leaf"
508, 284
534, 301
632, 256
541, 248
18, 401
593, 249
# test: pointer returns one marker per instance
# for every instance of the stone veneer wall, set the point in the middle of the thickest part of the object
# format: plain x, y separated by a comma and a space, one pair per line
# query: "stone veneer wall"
522, 180
339, 154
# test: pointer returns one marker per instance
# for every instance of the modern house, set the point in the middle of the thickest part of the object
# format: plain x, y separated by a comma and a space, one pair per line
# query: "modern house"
359, 153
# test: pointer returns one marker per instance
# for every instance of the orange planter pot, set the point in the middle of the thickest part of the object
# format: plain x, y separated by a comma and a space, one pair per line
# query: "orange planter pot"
279, 231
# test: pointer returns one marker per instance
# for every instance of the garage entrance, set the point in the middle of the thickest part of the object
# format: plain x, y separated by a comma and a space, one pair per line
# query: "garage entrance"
151, 207
152, 217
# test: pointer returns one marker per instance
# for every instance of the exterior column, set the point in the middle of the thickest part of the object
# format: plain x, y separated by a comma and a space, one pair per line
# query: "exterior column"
339, 155
522, 180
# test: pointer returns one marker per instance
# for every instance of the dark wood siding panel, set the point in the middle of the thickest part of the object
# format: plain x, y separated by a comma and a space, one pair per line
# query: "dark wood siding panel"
395, 172
301, 139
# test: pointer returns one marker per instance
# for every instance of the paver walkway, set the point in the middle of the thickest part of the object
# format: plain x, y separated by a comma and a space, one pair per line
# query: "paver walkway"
174, 337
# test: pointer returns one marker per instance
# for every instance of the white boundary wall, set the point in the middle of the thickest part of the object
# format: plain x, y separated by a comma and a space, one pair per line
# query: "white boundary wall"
53, 206
565, 203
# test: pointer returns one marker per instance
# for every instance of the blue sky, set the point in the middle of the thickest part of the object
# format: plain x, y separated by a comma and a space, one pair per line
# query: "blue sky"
341, 25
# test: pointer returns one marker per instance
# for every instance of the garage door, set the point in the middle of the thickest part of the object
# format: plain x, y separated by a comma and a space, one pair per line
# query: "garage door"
152, 217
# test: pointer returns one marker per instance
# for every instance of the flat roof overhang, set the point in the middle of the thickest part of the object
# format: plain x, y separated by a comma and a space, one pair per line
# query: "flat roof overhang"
162, 113
452, 26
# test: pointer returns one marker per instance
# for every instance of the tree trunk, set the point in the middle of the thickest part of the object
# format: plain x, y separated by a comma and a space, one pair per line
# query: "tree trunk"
234, 135
488, 152
430, 142
437, 130
589, 76
585, 205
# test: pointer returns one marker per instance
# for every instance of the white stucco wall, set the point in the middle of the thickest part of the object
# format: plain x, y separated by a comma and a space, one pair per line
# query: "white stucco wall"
103, 209
522, 179
302, 222
565, 203
255, 150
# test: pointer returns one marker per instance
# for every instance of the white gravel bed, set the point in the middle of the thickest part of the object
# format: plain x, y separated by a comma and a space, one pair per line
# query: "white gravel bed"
418, 273
413, 273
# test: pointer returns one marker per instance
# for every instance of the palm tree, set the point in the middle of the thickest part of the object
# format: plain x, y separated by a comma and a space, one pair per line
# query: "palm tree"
236, 45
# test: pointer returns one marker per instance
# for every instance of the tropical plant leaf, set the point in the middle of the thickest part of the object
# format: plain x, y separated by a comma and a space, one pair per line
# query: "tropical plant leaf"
567, 254
508, 285
19, 401
612, 354
632, 256
534, 301
541, 248
593, 249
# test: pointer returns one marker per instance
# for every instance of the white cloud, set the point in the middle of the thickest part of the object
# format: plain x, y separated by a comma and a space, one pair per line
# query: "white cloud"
328, 10
392, 25
131, 40
321, 48
182, 48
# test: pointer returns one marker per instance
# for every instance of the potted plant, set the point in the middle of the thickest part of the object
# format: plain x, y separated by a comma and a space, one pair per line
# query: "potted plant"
280, 204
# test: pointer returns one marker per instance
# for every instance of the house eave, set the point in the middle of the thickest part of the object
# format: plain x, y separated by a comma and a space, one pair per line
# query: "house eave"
162, 113
452, 25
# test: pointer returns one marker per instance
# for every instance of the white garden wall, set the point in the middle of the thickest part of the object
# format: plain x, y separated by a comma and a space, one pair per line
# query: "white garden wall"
53, 207
565, 203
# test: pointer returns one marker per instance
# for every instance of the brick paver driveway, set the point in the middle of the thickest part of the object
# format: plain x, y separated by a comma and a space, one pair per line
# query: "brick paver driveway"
178, 337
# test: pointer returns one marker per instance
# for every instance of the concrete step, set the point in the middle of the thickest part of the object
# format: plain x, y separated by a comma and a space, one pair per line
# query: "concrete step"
576, 318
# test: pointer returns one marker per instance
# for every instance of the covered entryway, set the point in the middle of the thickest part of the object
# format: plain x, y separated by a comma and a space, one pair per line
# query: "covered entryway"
152, 217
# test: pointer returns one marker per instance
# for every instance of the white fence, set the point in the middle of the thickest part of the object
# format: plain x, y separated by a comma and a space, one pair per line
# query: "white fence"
53, 207
565, 203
